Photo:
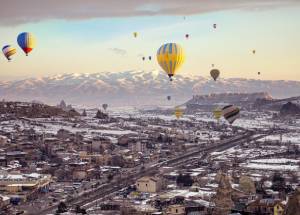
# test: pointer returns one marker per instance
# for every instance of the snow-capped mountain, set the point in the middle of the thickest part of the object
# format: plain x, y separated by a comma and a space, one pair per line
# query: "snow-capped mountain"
134, 88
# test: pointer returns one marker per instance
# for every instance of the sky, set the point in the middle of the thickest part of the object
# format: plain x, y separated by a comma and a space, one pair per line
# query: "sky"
94, 36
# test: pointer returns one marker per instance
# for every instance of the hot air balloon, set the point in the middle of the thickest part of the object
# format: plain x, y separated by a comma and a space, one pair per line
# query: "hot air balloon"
231, 113
9, 51
143, 58
169, 98
178, 112
253, 51
27, 42
135, 34
217, 113
215, 26
215, 73
213, 65
187, 36
105, 106
170, 57
258, 73
150, 58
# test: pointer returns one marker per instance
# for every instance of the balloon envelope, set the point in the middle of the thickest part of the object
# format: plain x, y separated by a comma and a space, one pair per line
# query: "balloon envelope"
9, 51
26, 41
135, 34
215, 73
178, 112
231, 113
105, 106
170, 57
217, 113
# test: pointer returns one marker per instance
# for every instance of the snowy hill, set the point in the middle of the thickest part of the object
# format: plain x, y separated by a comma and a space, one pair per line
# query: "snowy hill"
134, 88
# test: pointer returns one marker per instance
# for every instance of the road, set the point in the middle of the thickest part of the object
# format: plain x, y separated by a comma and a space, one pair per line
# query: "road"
89, 199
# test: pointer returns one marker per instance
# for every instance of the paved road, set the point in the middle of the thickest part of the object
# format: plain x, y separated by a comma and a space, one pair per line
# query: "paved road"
90, 198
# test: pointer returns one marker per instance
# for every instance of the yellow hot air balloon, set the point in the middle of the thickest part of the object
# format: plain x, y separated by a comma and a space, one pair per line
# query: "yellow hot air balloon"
135, 34
215, 73
178, 112
170, 57
217, 113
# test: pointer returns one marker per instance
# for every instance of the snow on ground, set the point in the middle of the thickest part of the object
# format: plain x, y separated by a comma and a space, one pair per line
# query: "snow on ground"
187, 193
276, 161
292, 137
271, 167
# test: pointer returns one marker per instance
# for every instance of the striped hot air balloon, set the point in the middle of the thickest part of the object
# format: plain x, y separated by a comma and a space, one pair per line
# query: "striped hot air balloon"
27, 42
231, 113
170, 57
9, 51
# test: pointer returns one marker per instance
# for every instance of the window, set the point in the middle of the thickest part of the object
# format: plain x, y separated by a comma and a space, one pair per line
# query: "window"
176, 210
146, 185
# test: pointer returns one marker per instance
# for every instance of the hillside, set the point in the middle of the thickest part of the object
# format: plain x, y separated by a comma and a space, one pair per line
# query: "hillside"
33, 110
134, 88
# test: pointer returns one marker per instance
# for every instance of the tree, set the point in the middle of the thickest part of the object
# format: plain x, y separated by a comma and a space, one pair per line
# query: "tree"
247, 185
80, 210
110, 177
278, 182
101, 115
62, 104
61, 208
185, 180
293, 204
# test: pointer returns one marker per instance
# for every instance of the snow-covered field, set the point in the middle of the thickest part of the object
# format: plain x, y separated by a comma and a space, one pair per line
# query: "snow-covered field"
273, 167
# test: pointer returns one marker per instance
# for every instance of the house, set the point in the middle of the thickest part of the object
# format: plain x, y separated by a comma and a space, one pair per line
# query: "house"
279, 209
3, 140
266, 206
149, 184
175, 210
24, 186
4, 203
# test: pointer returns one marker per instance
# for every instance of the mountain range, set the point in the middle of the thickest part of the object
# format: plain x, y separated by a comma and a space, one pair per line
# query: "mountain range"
134, 88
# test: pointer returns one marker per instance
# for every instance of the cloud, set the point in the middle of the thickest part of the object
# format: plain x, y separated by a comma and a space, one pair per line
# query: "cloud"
118, 51
14, 12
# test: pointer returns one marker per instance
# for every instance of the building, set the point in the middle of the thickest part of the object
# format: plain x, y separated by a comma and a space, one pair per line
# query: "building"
23, 186
266, 206
3, 140
279, 209
149, 184
175, 210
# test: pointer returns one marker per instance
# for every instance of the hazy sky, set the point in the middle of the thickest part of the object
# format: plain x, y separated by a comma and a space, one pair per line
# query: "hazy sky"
81, 36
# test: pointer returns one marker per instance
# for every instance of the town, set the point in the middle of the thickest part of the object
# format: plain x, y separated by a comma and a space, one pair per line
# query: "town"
61, 160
